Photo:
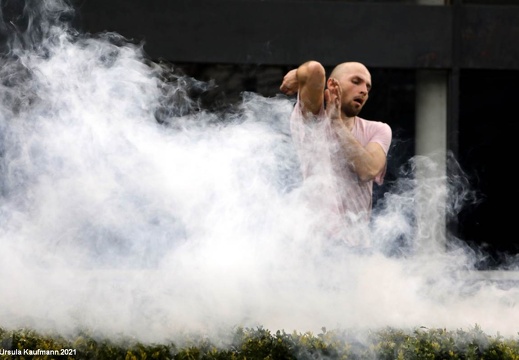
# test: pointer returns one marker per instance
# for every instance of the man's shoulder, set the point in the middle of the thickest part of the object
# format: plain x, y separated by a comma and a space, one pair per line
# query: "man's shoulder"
374, 124
298, 113
367, 121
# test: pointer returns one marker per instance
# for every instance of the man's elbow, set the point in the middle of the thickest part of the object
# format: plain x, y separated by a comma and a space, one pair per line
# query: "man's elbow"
369, 174
311, 69
366, 177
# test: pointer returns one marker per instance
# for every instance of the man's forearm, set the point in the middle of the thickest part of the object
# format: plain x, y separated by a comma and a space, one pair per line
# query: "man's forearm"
355, 156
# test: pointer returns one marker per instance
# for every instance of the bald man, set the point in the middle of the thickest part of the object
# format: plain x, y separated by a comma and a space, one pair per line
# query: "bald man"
341, 153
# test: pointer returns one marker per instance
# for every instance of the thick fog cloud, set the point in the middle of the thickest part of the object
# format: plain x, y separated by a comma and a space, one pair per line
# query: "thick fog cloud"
126, 208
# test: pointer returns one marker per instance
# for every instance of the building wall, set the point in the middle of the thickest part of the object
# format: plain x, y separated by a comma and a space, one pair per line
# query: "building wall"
248, 45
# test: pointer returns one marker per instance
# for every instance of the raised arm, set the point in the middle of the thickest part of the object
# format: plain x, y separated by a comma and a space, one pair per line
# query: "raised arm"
367, 162
309, 80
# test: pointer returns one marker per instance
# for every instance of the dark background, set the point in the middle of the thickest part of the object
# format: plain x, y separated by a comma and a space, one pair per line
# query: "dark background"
487, 151
486, 139
248, 45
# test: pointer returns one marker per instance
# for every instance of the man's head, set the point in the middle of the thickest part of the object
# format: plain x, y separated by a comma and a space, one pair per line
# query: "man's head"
355, 82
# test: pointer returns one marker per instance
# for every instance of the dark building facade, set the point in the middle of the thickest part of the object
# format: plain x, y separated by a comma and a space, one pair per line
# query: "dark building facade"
247, 45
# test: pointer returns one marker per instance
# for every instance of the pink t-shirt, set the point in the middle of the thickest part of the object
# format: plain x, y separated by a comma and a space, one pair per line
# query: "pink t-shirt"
332, 188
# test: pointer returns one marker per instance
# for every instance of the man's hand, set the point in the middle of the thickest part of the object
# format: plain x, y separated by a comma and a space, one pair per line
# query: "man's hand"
290, 85
332, 97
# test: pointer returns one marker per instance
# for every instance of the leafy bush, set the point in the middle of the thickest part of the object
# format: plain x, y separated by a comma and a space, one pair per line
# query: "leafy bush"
260, 343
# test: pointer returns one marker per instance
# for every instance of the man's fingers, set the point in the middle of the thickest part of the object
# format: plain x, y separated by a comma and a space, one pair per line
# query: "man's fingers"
327, 95
285, 89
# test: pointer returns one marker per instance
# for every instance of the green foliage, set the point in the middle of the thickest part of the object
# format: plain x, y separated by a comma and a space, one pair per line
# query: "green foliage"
442, 344
262, 344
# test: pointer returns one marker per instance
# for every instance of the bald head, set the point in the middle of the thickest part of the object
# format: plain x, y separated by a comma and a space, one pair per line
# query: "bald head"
349, 68
354, 81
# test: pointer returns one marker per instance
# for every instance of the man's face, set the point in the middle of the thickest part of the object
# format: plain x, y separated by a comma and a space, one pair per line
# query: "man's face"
355, 85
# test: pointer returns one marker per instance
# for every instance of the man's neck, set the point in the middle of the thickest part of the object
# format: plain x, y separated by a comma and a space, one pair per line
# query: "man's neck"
349, 122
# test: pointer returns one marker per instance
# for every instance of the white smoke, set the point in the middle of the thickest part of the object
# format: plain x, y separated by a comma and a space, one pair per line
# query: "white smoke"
128, 209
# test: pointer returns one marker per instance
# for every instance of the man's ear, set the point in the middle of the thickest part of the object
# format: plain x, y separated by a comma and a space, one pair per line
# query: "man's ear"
328, 82
326, 97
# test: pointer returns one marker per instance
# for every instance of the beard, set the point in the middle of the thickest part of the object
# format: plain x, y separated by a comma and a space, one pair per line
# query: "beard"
351, 110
